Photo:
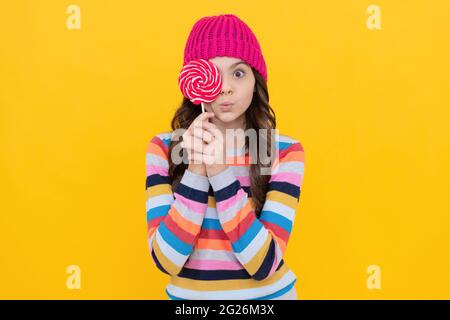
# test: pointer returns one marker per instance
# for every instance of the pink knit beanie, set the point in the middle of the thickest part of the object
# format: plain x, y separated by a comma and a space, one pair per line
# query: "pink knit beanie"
224, 35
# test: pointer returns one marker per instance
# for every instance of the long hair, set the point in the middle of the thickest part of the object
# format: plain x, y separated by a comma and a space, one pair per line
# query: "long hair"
259, 115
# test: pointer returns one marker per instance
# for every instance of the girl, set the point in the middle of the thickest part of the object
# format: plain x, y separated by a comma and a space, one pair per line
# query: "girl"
220, 228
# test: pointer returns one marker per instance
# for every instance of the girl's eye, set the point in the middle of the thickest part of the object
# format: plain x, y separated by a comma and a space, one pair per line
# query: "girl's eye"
240, 73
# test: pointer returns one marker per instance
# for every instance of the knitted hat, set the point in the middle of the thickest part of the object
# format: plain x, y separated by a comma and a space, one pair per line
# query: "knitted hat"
224, 35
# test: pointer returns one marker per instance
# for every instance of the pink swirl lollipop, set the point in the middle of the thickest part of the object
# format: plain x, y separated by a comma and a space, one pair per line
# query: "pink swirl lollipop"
200, 81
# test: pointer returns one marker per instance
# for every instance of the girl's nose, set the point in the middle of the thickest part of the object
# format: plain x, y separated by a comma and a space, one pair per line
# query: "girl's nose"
226, 89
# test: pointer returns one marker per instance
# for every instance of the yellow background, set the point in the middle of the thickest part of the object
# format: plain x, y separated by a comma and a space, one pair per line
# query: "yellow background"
371, 108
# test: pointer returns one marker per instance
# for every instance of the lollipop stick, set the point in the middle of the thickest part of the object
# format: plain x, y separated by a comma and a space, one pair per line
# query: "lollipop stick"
203, 108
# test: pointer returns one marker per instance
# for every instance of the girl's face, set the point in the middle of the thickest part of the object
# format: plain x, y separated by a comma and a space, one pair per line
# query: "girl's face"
238, 84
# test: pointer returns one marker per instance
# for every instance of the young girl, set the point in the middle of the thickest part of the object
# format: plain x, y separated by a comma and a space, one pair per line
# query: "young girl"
220, 229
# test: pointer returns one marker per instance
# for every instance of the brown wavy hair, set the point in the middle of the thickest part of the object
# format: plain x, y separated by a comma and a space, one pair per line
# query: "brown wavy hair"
259, 115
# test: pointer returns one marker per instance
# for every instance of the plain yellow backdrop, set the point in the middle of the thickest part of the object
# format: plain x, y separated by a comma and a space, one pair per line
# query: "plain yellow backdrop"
371, 108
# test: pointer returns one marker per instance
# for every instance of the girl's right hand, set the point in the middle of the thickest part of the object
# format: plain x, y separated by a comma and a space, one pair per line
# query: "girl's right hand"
195, 140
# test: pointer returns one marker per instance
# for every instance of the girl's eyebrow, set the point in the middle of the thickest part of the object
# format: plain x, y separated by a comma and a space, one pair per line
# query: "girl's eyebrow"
237, 63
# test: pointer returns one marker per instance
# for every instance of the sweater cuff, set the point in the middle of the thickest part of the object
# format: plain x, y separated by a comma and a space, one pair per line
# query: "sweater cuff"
223, 179
195, 181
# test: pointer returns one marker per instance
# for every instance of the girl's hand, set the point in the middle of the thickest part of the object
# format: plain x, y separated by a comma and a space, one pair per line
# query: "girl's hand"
195, 140
214, 154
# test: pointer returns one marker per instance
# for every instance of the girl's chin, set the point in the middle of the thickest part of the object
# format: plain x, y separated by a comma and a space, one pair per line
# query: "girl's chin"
225, 116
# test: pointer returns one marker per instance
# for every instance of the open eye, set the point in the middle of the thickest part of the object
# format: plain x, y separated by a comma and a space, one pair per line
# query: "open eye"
240, 73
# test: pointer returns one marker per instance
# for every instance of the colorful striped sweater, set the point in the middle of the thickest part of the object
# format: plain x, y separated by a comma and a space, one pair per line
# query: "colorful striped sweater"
207, 237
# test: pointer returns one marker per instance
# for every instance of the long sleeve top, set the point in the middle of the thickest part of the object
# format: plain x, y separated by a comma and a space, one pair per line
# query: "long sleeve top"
205, 234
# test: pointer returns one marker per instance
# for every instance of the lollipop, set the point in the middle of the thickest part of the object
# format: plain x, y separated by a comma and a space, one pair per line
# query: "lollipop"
200, 81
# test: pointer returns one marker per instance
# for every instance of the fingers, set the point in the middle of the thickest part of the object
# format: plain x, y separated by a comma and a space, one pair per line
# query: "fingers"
211, 129
199, 152
203, 134
203, 117
192, 143
195, 158
198, 158
201, 140
210, 150
203, 129
209, 126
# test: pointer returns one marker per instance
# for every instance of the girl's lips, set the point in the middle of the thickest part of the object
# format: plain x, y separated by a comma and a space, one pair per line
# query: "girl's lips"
225, 107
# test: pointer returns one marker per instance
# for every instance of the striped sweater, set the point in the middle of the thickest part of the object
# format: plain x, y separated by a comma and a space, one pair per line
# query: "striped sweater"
207, 237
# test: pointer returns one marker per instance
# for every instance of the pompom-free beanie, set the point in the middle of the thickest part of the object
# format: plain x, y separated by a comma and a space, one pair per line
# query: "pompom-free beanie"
224, 35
